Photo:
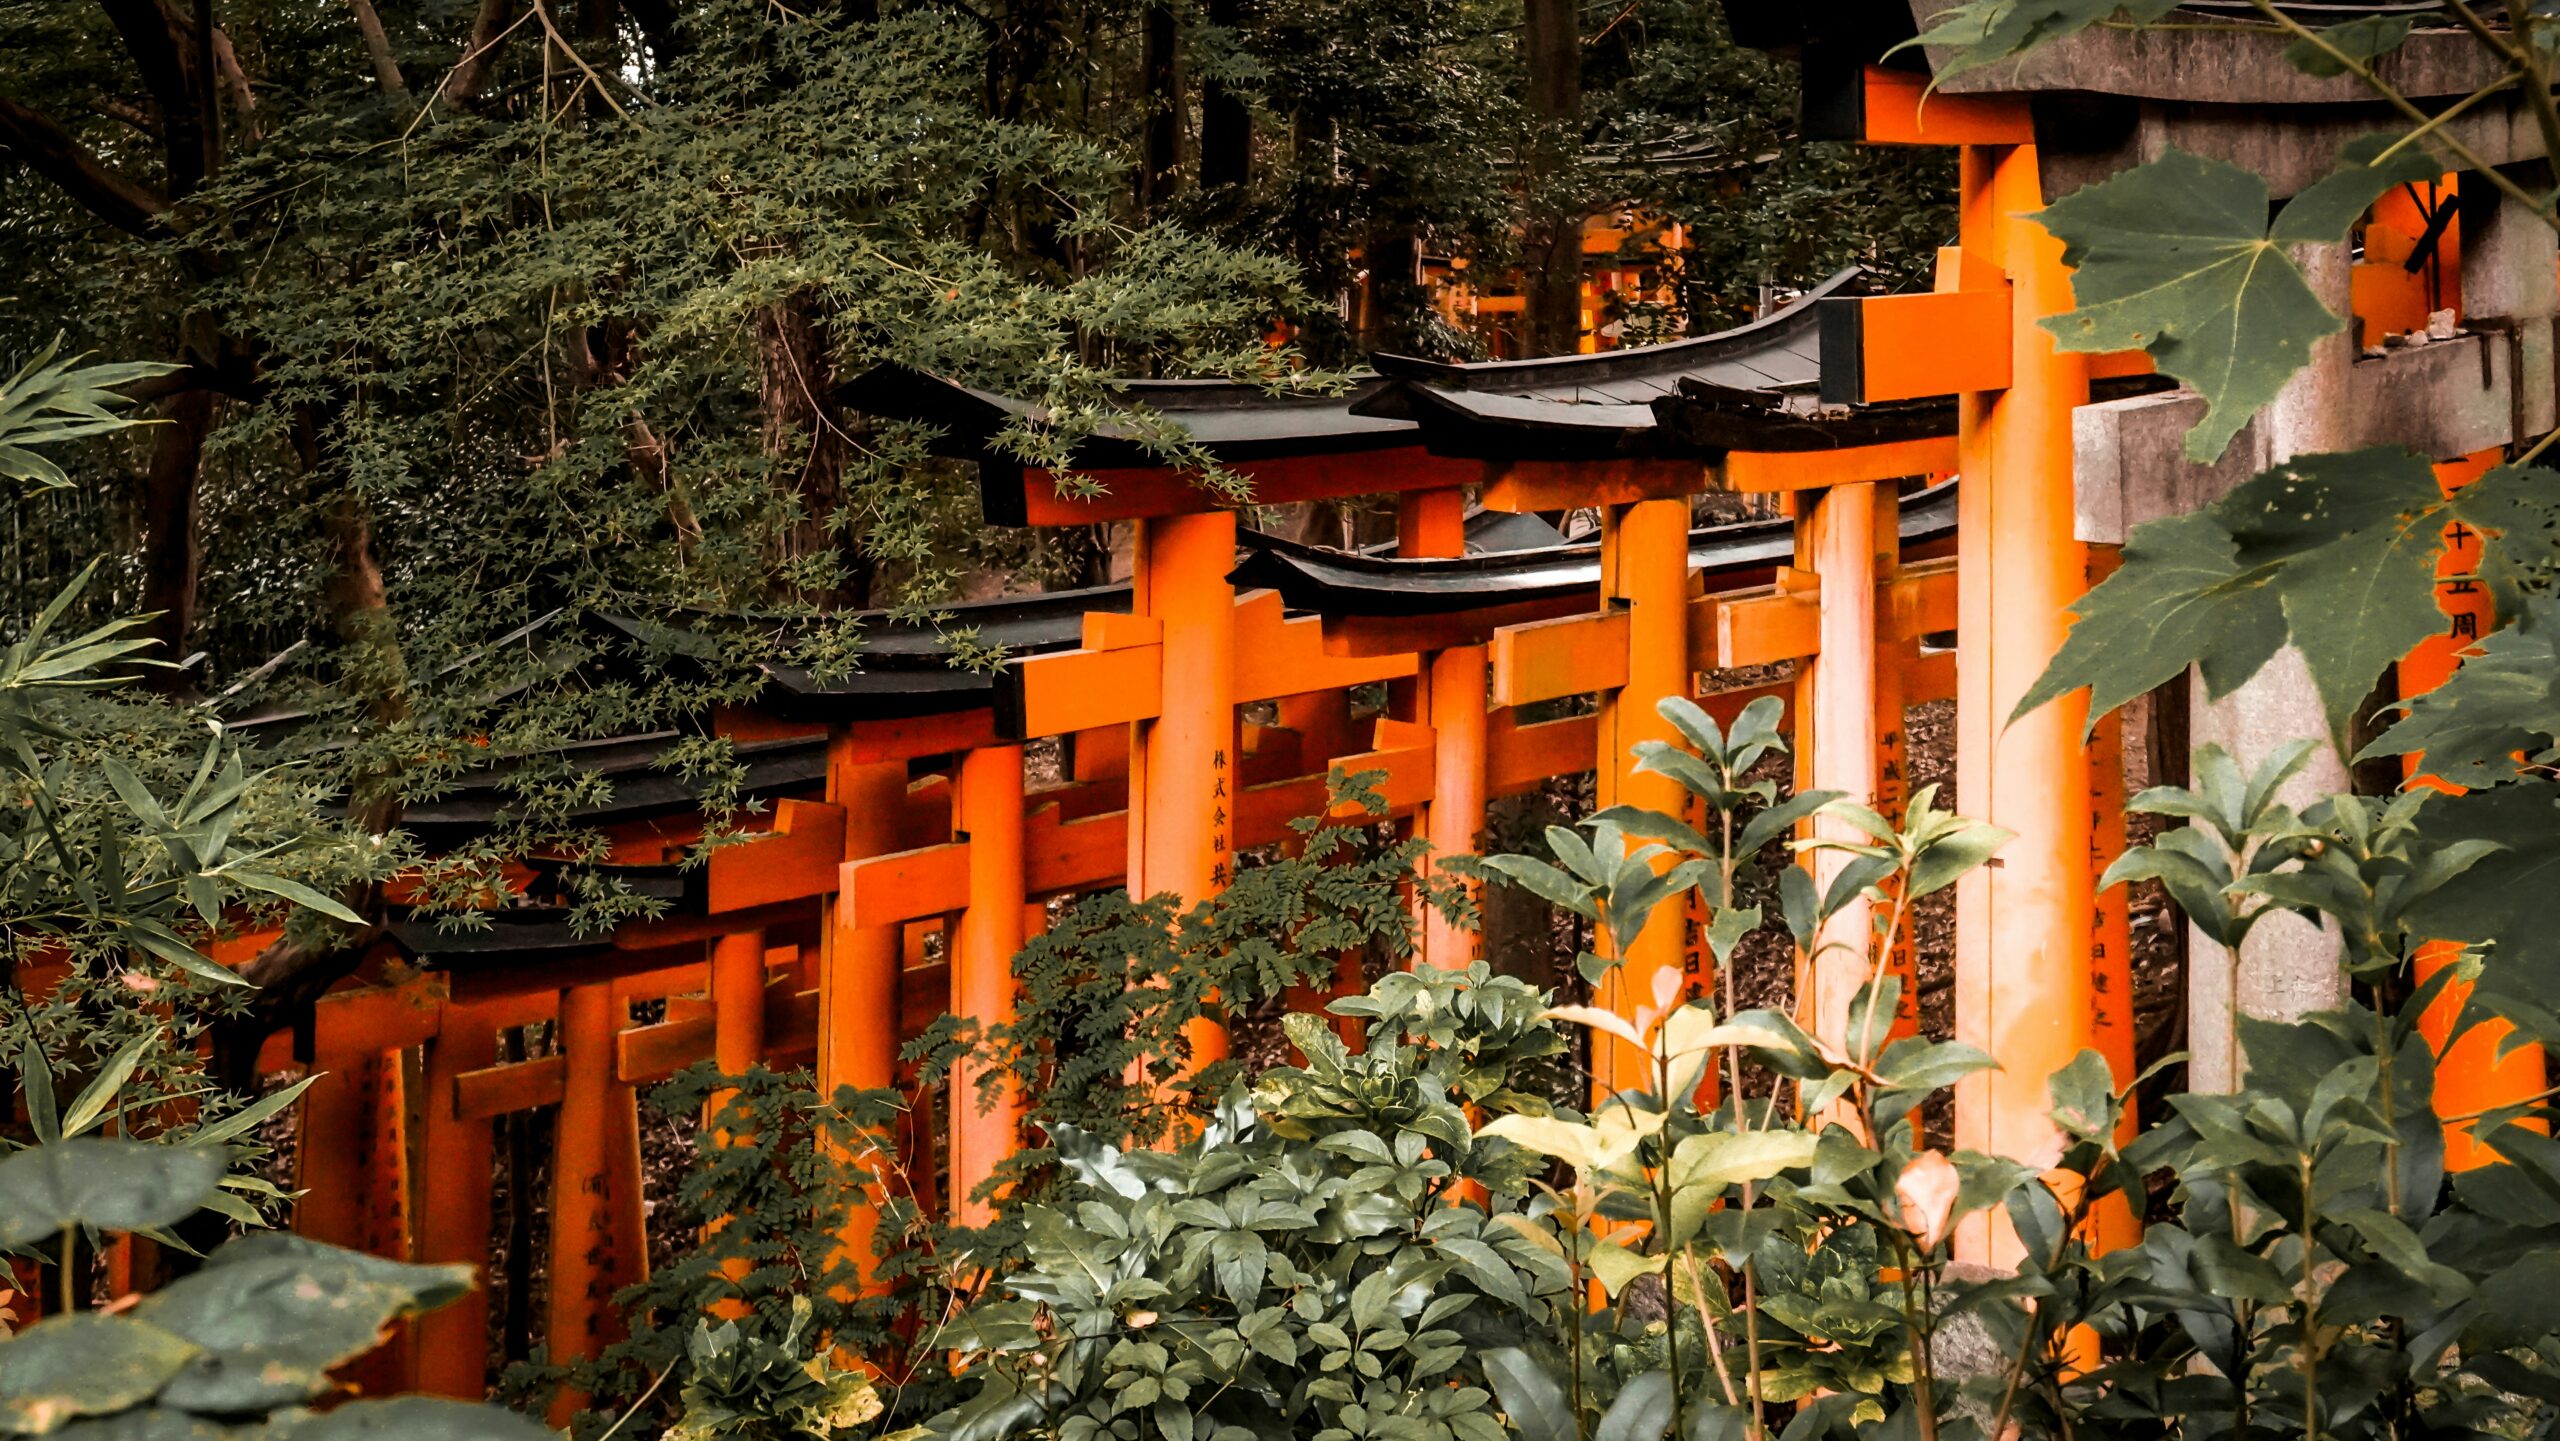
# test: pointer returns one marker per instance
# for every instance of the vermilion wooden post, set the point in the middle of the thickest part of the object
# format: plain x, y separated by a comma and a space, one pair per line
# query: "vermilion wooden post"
2471, 1076
988, 813
2111, 929
352, 1169
455, 1158
1322, 720
1448, 696
859, 967
2023, 922
1182, 774
1644, 566
737, 1045
595, 1249
1893, 750
737, 1009
1840, 539
1459, 725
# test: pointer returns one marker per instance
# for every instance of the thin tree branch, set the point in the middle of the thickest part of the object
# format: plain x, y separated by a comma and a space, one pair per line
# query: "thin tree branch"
48, 150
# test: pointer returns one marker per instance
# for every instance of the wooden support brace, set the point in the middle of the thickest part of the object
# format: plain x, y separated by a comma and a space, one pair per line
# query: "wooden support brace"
794, 860
1278, 656
1525, 485
1877, 348
1046, 695
1761, 472
1151, 492
1551, 659
1874, 105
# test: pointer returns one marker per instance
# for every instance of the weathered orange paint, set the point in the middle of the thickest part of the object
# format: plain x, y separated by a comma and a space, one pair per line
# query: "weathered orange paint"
860, 966
2471, 1075
1183, 762
1454, 816
581, 1322
1644, 566
1838, 538
985, 1128
454, 1159
2024, 923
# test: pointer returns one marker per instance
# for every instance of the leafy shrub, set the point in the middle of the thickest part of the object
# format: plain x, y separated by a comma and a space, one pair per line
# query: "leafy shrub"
242, 1347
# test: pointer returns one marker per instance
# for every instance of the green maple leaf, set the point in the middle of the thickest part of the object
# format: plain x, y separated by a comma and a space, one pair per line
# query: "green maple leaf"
2335, 552
2505, 898
2365, 38
2504, 699
2177, 257
2173, 603
2519, 511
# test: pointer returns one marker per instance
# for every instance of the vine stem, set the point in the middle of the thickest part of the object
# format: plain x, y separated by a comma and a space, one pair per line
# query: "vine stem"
2450, 112
2536, 449
2546, 116
2470, 158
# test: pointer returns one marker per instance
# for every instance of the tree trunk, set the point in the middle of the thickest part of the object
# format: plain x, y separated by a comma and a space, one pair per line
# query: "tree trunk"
1226, 123
171, 557
1393, 252
806, 435
1160, 151
1551, 242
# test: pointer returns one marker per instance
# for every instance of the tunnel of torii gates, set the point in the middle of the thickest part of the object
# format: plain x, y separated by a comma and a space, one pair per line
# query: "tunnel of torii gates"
897, 803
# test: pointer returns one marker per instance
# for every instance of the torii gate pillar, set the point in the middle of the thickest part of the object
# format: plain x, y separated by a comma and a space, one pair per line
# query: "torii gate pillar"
1644, 566
1182, 773
2023, 926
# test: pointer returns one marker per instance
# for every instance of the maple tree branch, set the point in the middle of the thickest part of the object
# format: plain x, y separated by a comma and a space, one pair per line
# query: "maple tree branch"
48, 150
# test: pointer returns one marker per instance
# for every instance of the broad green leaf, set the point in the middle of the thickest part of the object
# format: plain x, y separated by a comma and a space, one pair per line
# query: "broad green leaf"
1916, 1063
1947, 859
90, 1106
83, 1365
2177, 257
2511, 895
1617, 1265
2336, 551
296, 892
2170, 605
2502, 701
112, 1185
1642, 1411
2084, 1096
1703, 1166
152, 1424
1545, 882
35, 1077
1530, 1394
274, 1312
2361, 40
414, 1418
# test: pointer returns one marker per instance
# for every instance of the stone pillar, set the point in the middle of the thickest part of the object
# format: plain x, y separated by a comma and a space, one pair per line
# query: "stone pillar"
2511, 275
2288, 967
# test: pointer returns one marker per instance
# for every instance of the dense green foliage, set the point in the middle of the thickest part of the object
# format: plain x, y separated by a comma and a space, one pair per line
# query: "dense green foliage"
1776, 1251
235, 1349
